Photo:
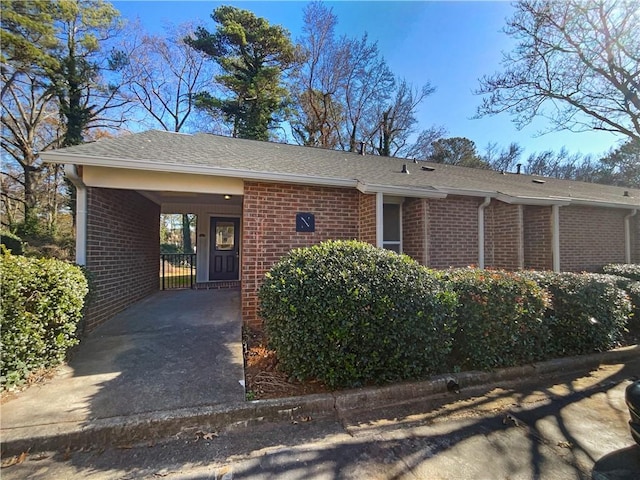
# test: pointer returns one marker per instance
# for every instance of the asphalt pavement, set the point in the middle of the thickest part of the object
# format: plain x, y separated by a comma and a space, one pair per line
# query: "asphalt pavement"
568, 424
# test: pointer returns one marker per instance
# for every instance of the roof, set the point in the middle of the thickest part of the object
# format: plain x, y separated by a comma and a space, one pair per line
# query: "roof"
208, 154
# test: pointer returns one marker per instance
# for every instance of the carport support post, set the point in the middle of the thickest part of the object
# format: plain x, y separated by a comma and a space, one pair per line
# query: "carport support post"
81, 213
379, 220
555, 236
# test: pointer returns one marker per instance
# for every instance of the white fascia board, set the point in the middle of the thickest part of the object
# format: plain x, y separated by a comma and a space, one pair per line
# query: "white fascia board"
522, 200
599, 203
65, 158
465, 193
400, 191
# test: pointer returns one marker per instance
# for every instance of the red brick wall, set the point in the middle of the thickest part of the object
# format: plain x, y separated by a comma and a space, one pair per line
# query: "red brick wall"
367, 226
123, 251
537, 238
453, 232
414, 216
503, 236
269, 230
590, 237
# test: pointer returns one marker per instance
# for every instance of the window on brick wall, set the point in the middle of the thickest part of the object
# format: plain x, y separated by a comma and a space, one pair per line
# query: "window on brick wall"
392, 226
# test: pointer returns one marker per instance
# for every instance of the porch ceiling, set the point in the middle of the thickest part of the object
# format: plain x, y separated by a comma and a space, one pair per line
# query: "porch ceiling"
167, 197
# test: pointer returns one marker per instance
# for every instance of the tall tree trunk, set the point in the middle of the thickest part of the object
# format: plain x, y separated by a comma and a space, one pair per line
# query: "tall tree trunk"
186, 233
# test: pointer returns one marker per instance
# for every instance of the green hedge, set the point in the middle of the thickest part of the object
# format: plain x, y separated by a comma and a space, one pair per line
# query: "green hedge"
40, 307
588, 312
350, 314
628, 270
499, 319
12, 242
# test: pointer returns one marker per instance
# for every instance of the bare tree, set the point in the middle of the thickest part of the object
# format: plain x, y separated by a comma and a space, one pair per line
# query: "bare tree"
30, 125
502, 159
318, 81
422, 148
561, 164
346, 94
577, 63
162, 76
368, 84
396, 121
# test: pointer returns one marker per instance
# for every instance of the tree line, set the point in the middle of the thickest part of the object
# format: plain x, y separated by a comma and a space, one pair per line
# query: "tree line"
72, 72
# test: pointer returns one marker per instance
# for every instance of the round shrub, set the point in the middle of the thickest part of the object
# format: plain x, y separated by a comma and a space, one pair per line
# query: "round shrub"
350, 314
40, 307
12, 242
499, 319
588, 312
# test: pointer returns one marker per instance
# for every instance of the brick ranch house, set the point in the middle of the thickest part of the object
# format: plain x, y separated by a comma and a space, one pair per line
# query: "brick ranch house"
257, 200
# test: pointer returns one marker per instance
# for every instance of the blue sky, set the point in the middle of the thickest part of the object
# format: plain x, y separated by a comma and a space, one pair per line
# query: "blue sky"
448, 43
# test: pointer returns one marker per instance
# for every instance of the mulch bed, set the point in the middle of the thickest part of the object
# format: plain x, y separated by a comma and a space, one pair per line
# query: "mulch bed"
262, 377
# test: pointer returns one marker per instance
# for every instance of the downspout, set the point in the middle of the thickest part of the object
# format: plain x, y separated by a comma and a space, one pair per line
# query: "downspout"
555, 237
379, 219
627, 235
71, 172
483, 205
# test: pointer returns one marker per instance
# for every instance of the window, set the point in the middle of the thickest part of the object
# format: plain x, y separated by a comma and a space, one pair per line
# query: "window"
392, 226
225, 235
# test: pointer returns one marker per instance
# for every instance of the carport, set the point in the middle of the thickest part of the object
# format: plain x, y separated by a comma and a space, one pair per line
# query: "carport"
175, 349
118, 221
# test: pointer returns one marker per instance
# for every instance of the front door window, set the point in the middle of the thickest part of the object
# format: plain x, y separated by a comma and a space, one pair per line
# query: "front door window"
225, 235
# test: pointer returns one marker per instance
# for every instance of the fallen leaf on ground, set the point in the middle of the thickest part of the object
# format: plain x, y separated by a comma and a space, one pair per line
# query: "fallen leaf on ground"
15, 460
565, 444
205, 435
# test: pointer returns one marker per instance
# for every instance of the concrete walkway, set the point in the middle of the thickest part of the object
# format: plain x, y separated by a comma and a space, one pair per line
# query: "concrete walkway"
175, 349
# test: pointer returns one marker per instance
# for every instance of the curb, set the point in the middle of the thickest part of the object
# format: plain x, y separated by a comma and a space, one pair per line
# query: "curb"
121, 431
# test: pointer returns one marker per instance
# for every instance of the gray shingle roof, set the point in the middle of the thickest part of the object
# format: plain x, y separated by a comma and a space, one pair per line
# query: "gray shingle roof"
215, 155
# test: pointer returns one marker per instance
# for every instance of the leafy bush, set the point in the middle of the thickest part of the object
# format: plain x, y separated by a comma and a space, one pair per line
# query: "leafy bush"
12, 242
40, 306
588, 312
628, 270
632, 288
170, 248
348, 313
498, 318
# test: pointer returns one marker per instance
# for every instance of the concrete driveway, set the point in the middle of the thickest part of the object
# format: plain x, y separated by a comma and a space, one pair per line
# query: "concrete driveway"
175, 349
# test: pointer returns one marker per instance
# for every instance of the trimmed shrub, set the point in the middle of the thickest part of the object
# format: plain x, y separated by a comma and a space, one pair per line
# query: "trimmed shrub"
40, 307
588, 312
627, 270
350, 314
499, 319
12, 242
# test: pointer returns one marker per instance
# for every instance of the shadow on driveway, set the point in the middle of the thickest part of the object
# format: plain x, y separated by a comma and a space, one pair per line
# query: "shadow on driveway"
174, 349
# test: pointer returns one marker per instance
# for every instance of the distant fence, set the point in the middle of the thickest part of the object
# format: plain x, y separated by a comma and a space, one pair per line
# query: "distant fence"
177, 270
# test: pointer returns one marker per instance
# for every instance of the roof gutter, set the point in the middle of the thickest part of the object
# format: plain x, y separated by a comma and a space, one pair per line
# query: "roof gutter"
72, 174
543, 201
627, 235
400, 191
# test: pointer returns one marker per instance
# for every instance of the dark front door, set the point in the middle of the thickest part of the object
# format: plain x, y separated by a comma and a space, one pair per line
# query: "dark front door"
224, 251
